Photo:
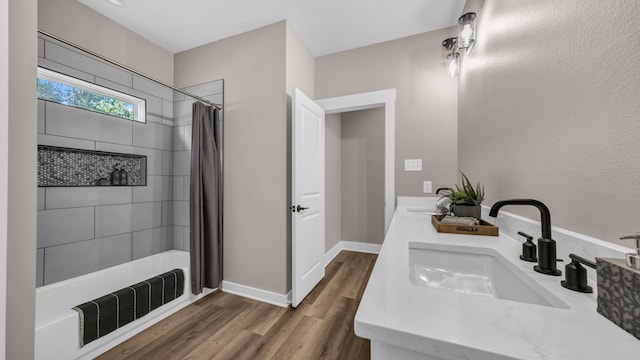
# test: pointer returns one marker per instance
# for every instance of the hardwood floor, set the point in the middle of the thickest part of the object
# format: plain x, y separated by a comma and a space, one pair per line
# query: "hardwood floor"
226, 326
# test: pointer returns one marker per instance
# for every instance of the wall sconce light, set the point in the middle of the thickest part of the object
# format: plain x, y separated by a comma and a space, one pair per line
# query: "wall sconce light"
467, 31
450, 56
466, 40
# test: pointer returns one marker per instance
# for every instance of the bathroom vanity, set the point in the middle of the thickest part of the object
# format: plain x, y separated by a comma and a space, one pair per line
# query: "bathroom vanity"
440, 296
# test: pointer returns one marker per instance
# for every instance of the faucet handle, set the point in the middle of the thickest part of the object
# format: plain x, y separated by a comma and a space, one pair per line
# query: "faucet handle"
529, 249
635, 237
633, 260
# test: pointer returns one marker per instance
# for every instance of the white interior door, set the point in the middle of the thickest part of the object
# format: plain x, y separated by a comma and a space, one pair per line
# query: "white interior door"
308, 195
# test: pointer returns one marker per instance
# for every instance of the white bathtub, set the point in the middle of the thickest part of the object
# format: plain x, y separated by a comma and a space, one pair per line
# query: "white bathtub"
57, 326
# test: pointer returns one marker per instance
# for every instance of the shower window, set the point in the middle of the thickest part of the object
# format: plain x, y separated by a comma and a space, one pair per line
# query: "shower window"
67, 90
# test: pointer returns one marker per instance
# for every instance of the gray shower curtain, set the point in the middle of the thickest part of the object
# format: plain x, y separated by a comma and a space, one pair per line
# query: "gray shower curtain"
206, 201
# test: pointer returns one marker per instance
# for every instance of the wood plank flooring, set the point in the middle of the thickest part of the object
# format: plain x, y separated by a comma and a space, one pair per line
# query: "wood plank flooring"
225, 326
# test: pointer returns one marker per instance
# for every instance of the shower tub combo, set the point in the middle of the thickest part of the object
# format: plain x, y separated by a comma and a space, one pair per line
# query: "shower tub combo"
58, 326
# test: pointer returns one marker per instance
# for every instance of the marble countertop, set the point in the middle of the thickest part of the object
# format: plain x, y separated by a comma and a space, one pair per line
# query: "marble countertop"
451, 325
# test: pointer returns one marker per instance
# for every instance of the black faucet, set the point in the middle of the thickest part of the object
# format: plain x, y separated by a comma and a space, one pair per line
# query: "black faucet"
441, 189
546, 246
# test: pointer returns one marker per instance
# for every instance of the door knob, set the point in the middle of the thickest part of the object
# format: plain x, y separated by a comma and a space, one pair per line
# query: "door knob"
300, 208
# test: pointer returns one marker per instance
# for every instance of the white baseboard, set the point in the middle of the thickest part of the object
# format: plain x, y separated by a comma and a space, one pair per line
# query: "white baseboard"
332, 253
361, 247
285, 300
257, 294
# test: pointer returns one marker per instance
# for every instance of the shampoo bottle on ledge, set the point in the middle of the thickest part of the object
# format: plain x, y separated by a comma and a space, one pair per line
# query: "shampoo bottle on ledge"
115, 176
124, 176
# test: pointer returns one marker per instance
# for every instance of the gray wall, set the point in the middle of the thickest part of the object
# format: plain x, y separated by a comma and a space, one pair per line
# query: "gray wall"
253, 67
84, 229
426, 106
81, 25
549, 110
362, 176
21, 218
333, 180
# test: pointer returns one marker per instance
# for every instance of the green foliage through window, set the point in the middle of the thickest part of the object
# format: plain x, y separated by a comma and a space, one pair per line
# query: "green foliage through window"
83, 99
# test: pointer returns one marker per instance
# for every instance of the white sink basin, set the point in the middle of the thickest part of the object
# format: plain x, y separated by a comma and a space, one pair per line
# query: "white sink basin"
475, 271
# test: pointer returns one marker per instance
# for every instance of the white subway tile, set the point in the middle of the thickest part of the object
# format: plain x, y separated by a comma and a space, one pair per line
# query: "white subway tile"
113, 220
40, 47
114, 250
61, 226
39, 267
158, 188
178, 237
178, 143
41, 117
152, 135
187, 237
151, 241
181, 162
178, 96
62, 141
83, 124
167, 213
178, 188
182, 112
187, 188
41, 196
63, 69
187, 136
70, 260
146, 215
167, 112
84, 63
181, 213
152, 88
167, 162
69, 197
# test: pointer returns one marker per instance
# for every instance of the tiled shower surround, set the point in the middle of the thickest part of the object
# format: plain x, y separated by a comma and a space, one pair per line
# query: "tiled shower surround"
59, 166
85, 229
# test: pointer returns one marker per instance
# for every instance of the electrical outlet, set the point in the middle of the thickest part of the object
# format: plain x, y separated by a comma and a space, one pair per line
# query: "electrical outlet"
413, 165
426, 187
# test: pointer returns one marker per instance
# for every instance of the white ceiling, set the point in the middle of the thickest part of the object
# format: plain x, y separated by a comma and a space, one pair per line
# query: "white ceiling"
326, 26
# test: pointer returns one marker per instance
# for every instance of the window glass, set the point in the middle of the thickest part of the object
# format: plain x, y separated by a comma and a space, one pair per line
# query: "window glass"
66, 90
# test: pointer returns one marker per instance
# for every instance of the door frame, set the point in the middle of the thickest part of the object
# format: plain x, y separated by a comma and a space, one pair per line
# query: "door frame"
371, 100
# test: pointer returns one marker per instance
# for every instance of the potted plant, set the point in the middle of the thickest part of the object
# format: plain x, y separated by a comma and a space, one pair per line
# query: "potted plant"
463, 200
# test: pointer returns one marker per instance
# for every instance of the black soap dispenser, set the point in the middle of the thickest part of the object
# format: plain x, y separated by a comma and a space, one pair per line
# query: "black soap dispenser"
115, 176
529, 250
124, 176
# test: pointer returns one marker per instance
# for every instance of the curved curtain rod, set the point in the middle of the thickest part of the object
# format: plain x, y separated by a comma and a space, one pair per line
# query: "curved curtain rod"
124, 67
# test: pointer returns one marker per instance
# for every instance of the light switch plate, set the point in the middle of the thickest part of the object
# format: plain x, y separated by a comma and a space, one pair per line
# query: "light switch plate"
426, 187
413, 165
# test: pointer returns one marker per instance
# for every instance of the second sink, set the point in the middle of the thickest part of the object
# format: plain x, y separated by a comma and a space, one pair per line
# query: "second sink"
475, 271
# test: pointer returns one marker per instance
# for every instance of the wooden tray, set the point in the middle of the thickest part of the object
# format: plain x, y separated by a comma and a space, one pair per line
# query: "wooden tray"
485, 228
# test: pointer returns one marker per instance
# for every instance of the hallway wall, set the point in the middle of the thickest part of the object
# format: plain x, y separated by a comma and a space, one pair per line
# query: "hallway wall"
362, 176
333, 180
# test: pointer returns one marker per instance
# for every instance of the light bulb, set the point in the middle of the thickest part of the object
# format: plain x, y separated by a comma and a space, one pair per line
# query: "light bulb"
452, 65
466, 33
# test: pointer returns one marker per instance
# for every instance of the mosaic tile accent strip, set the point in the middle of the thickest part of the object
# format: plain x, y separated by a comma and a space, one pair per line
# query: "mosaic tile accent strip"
58, 166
